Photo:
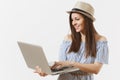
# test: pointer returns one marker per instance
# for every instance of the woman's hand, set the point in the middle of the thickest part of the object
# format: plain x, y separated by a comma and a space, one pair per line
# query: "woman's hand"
39, 71
61, 64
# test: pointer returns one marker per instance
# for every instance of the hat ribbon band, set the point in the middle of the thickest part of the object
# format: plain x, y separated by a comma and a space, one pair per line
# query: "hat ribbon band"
76, 9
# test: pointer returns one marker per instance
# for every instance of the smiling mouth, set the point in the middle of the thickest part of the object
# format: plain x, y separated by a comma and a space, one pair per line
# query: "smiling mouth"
76, 27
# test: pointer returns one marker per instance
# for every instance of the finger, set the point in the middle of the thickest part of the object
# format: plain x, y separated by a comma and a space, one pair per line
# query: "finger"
52, 67
59, 67
42, 74
55, 66
37, 67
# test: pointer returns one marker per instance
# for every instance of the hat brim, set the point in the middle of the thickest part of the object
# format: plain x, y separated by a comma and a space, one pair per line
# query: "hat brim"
89, 16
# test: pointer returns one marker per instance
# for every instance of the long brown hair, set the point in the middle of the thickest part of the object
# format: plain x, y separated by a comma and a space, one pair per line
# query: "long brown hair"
90, 41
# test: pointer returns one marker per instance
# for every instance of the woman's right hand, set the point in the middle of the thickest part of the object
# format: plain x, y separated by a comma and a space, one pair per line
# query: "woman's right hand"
39, 71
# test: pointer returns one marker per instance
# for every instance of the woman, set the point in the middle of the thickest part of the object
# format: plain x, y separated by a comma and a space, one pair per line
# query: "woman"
84, 48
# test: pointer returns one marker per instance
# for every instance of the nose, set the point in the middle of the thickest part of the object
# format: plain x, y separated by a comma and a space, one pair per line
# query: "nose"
74, 23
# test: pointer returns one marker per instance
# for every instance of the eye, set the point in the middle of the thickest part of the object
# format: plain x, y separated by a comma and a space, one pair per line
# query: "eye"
77, 19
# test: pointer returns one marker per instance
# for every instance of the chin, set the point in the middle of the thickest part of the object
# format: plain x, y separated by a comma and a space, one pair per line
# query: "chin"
77, 30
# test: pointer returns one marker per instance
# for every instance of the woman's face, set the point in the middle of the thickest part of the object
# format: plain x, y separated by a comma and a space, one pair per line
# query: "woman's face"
77, 22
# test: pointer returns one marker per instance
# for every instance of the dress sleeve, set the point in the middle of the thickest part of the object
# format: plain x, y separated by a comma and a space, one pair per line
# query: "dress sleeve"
63, 50
102, 53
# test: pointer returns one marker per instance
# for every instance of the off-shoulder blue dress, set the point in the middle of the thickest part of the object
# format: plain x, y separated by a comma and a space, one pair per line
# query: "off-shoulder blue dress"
102, 57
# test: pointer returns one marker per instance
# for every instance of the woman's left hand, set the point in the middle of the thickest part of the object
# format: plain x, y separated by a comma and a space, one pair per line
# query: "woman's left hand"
60, 64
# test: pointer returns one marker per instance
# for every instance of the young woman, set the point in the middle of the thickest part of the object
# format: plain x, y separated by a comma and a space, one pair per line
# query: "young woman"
84, 48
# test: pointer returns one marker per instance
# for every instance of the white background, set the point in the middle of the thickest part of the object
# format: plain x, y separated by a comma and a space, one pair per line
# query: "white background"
45, 23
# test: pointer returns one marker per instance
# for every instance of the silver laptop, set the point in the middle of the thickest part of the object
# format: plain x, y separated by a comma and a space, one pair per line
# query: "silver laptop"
34, 56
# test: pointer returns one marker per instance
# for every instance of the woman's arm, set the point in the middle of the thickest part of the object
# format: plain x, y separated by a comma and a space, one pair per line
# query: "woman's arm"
90, 68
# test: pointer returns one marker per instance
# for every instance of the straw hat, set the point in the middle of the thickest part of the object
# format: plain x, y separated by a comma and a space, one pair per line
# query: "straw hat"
83, 8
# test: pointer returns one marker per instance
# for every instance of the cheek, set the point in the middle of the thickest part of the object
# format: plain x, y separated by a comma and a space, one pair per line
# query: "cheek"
81, 26
81, 23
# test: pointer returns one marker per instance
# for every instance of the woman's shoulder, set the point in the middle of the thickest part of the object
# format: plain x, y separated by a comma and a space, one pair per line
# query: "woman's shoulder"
68, 37
101, 38
98, 38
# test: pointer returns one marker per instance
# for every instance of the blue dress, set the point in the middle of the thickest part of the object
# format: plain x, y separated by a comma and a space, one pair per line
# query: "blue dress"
102, 57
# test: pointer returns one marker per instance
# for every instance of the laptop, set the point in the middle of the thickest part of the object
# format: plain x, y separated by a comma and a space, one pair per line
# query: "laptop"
35, 56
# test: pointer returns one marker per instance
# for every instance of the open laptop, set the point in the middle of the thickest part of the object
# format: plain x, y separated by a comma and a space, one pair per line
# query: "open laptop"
34, 56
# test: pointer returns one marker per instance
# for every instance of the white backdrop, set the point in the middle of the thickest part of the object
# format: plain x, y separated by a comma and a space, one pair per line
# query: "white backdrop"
45, 23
